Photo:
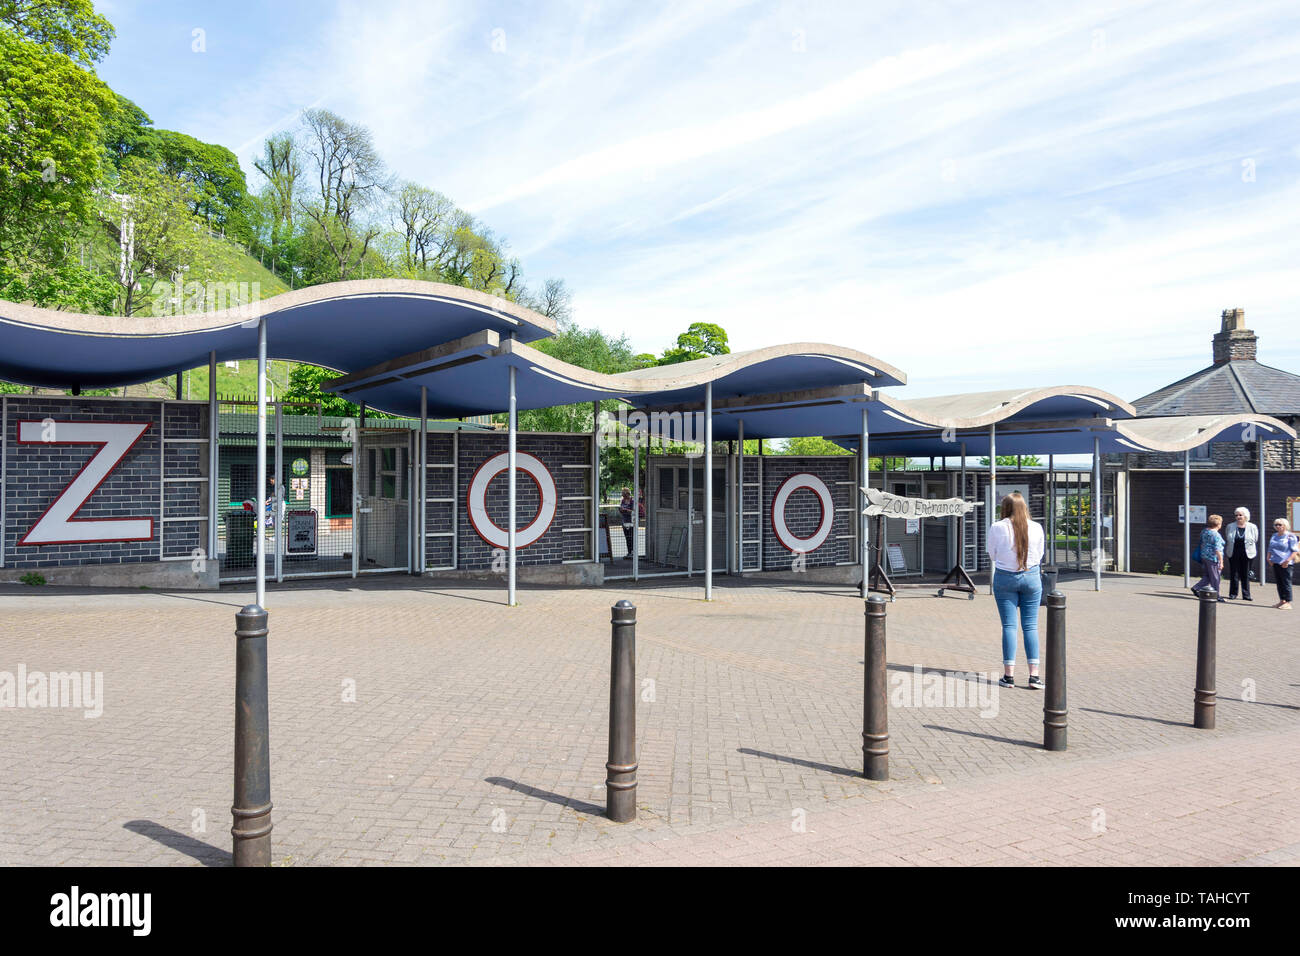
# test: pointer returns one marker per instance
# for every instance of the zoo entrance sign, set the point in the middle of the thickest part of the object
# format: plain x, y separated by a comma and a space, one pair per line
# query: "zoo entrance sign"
895, 506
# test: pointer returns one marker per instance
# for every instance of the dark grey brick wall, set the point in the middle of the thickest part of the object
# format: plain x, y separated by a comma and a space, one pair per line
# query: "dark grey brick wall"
803, 509
35, 475
555, 451
1156, 538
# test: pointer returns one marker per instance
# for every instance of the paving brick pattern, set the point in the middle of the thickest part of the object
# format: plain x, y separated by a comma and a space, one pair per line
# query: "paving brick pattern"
478, 731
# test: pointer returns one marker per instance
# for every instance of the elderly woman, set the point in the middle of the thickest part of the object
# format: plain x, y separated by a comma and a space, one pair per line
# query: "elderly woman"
1283, 553
1241, 539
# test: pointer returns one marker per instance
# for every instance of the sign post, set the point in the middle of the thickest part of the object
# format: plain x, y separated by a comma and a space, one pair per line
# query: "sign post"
881, 504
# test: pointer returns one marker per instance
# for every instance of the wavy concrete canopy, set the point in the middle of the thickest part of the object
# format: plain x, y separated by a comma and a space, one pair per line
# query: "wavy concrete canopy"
838, 412
1168, 435
340, 325
471, 376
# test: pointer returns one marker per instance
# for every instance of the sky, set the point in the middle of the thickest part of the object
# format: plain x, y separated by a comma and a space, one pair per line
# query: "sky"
984, 195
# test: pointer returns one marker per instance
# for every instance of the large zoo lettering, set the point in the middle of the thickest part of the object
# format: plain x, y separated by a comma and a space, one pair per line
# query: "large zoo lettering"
59, 524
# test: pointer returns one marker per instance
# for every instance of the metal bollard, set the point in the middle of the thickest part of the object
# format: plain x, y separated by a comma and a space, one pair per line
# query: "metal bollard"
1205, 655
252, 806
875, 698
1054, 711
620, 771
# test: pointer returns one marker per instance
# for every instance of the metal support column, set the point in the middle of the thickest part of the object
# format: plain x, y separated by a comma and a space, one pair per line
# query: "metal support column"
1049, 490
278, 499
214, 433
740, 497
261, 464
595, 482
1128, 516
993, 489
961, 525
510, 464
864, 540
1187, 519
422, 470
708, 492
1262, 522
1098, 503
636, 502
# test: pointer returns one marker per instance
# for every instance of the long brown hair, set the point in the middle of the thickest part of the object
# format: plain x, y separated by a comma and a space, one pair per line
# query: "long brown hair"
1014, 507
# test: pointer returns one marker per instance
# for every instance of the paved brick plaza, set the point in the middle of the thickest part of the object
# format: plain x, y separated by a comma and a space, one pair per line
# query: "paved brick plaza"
478, 731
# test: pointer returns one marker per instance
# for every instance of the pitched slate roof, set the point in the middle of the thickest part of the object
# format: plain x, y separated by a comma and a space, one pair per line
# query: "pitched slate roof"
1241, 386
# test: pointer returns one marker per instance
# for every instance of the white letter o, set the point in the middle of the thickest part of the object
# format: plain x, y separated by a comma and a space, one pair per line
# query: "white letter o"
788, 539
476, 500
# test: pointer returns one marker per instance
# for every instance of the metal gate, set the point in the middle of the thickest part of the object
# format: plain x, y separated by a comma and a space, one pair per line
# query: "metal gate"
335, 499
675, 515
383, 500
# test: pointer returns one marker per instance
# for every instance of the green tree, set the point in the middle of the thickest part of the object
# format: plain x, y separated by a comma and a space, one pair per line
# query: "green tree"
219, 184
149, 216
52, 115
700, 340
69, 27
1014, 461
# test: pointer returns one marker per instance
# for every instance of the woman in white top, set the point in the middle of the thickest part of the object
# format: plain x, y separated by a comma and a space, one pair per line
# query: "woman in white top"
1015, 547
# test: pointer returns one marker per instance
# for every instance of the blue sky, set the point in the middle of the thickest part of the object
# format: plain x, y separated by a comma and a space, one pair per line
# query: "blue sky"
986, 195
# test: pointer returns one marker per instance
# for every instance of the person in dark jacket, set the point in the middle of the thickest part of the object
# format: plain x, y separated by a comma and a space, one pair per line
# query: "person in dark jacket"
1241, 541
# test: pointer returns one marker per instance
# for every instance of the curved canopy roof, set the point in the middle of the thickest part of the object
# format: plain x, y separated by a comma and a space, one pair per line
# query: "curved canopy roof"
1071, 437
471, 376
340, 325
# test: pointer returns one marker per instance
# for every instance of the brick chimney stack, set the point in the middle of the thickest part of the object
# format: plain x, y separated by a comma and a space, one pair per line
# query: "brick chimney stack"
1234, 342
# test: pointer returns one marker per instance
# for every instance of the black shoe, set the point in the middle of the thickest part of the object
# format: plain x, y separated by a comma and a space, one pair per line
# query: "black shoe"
1247, 597
1007, 681
1035, 683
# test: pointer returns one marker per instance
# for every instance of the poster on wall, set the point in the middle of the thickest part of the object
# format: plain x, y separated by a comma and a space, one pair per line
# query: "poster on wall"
301, 528
1293, 513
1198, 514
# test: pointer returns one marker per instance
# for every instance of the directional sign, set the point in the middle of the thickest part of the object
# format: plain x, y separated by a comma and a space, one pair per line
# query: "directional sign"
896, 506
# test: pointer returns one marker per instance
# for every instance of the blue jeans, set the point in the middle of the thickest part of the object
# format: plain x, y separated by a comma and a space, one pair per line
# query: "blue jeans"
1018, 591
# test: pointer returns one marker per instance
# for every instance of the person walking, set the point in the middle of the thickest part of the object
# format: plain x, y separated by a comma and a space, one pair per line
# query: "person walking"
1283, 554
1015, 546
1242, 538
1211, 548
626, 511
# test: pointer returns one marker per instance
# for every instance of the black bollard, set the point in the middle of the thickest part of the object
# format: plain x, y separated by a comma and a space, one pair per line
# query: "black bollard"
875, 698
252, 806
620, 771
1054, 724
1205, 654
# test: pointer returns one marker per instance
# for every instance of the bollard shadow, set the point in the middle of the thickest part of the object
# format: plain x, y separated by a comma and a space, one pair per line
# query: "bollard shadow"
970, 677
1154, 720
1036, 744
810, 764
1256, 703
572, 803
205, 853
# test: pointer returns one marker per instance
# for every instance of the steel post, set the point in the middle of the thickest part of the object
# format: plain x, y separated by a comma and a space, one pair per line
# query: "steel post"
1054, 706
511, 456
1187, 519
620, 770
875, 696
251, 809
708, 491
1205, 660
